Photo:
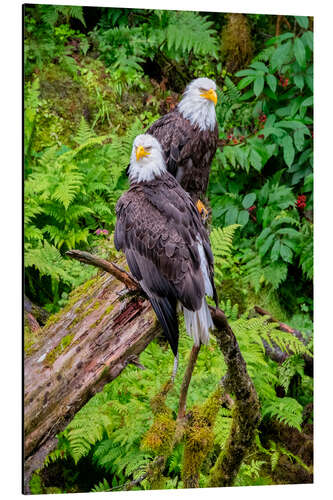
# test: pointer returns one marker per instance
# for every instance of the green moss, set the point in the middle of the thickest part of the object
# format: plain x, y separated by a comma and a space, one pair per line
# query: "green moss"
59, 349
35, 484
160, 436
199, 438
54, 318
82, 289
30, 339
240, 438
157, 403
105, 313
80, 315
53, 489
236, 42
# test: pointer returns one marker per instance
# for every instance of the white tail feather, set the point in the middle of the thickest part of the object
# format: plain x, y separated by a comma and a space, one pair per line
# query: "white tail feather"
198, 323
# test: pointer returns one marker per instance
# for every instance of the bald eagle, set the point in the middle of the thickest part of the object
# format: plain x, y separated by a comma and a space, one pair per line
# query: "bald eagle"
188, 136
166, 244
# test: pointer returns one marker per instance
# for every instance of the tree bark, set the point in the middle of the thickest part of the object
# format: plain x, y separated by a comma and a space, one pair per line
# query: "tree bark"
246, 408
186, 381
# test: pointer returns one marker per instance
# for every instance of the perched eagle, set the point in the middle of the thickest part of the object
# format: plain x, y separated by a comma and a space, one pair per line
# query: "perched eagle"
188, 136
166, 244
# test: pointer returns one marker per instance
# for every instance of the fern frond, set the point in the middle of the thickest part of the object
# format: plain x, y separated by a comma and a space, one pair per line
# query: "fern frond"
253, 270
101, 486
188, 31
265, 55
290, 367
221, 240
49, 14
84, 132
70, 182
275, 273
222, 426
285, 410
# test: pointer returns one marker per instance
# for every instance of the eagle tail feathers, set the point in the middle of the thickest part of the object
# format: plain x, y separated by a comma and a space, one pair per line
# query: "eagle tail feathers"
198, 323
166, 312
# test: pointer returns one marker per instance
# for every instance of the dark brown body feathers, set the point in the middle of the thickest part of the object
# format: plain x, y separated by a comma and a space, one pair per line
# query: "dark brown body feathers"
188, 151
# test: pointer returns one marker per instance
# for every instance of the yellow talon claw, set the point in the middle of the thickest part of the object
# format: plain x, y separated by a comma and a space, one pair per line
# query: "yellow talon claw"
202, 210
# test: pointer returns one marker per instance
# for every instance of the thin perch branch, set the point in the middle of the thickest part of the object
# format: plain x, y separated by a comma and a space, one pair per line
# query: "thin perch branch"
186, 381
117, 272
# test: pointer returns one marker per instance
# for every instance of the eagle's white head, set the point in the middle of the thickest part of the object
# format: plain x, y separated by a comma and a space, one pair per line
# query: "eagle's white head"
147, 160
198, 103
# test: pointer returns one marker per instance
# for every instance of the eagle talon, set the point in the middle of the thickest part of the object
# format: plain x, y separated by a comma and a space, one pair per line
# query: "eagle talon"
202, 210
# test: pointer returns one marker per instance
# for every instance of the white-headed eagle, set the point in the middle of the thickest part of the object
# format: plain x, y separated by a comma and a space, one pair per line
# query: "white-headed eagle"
188, 136
166, 244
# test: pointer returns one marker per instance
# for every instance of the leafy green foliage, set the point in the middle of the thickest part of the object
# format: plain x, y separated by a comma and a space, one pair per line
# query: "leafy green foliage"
169, 34
67, 199
101, 486
221, 242
266, 163
47, 35
111, 426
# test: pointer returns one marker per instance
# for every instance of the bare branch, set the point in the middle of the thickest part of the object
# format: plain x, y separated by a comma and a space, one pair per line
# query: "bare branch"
117, 272
186, 381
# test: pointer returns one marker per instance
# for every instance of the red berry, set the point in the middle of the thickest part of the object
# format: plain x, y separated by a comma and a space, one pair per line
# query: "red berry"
235, 141
261, 136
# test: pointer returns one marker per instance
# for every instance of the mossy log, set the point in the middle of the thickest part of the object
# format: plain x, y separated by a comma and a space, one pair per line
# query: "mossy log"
90, 342
78, 351
246, 410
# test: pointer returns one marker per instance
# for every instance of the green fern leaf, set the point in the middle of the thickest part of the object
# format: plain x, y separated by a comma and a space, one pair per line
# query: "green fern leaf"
84, 132
286, 410
188, 31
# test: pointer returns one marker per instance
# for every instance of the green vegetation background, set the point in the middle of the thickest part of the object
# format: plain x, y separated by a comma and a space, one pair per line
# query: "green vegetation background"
94, 79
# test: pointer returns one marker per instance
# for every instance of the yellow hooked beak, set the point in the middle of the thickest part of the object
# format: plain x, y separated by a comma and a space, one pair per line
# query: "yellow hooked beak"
141, 152
211, 95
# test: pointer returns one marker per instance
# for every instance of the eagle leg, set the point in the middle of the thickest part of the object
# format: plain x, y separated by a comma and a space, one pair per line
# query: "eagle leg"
202, 210
175, 367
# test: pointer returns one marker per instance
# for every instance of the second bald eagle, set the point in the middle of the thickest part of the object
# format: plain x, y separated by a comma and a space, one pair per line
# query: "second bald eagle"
188, 136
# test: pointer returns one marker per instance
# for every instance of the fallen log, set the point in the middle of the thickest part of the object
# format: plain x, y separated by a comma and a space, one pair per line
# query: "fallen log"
79, 350
91, 341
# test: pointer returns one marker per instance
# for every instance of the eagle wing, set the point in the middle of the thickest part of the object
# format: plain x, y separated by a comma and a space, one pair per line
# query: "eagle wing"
174, 133
158, 228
